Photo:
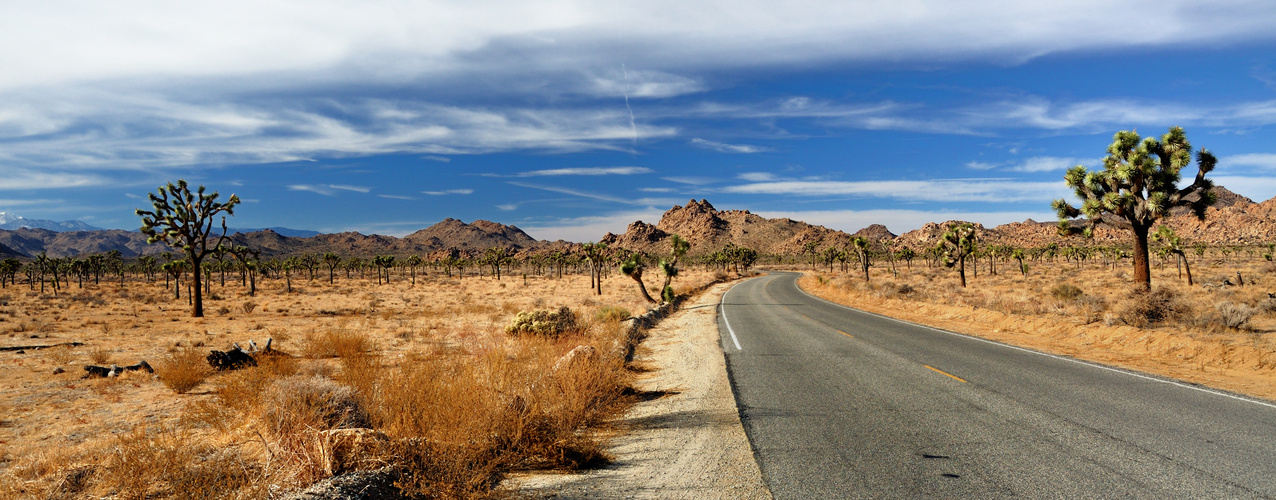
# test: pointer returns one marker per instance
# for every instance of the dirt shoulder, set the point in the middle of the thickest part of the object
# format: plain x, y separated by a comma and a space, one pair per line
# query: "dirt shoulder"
688, 443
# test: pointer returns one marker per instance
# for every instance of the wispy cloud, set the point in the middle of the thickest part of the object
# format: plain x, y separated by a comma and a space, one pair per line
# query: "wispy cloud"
726, 148
395, 197
448, 191
585, 171
980, 190
1036, 164
328, 189
902, 221
589, 228
597, 196
1265, 161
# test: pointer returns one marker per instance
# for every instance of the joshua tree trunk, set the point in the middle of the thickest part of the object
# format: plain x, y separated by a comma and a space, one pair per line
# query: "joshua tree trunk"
1142, 270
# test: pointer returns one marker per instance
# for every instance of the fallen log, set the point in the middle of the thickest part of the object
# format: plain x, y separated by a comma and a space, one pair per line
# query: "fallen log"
115, 370
33, 347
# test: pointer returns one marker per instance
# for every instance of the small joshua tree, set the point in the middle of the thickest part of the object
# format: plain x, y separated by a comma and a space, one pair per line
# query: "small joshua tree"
1173, 245
633, 267
677, 248
184, 220
1139, 186
860, 245
332, 260
958, 243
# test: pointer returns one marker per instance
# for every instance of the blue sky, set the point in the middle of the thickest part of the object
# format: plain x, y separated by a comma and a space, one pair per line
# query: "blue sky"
571, 119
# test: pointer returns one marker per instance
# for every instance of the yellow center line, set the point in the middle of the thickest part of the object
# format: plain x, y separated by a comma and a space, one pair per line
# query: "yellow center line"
954, 377
846, 334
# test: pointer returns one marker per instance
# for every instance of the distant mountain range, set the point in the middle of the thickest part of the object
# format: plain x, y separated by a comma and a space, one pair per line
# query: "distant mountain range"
14, 221
1233, 220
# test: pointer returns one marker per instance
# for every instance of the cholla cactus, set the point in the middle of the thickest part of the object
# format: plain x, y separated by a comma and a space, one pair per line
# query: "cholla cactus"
543, 323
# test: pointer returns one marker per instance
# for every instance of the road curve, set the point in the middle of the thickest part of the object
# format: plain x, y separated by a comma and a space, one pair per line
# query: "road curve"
839, 403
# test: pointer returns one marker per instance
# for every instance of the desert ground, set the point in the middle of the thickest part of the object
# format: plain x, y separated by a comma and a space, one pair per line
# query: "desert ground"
352, 353
1088, 311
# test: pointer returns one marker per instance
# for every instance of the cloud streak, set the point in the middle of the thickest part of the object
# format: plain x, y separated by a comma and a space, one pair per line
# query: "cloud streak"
963, 190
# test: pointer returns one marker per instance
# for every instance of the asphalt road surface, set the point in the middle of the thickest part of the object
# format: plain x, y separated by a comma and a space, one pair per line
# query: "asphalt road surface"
839, 403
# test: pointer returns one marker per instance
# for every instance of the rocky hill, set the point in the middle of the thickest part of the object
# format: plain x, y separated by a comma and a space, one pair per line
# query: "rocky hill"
449, 237
708, 230
1234, 220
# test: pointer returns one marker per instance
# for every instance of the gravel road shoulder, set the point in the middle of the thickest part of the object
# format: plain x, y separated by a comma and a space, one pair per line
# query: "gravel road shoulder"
688, 443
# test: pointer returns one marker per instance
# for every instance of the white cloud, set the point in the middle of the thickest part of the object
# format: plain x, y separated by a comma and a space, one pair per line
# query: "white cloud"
1036, 164
726, 148
591, 171
1258, 189
643, 84
982, 190
448, 191
758, 177
597, 196
589, 228
23, 179
395, 197
902, 221
327, 189
1266, 161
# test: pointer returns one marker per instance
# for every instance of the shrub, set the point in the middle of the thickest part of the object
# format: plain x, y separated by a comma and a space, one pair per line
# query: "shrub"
612, 314
248, 307
1066, 292
336, 343
1234, 315
183, 370
1143, 308
301, 402
543, 323
100, 356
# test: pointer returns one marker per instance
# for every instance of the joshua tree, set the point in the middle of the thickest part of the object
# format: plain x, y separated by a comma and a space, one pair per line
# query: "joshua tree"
496, 257
958, 243
1174, 245
332, 260
632, 267
247, 258
383, 262
907, 254
677, 248
413, 262
185, 220
1017, 254
812, 248
596, 254
1139, 185
860, 245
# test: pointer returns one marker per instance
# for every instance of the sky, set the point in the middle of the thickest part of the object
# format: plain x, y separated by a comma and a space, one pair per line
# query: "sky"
570, 119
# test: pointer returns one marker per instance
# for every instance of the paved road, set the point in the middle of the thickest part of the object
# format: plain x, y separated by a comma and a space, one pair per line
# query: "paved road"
840, 403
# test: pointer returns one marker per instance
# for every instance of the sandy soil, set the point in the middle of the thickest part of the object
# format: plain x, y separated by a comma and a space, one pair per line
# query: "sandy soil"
686, 443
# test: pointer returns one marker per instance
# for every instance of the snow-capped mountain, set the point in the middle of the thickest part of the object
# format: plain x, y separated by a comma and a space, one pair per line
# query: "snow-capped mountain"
14, 221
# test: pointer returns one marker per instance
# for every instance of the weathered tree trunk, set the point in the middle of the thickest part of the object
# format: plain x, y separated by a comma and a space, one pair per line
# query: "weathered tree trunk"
1142, 269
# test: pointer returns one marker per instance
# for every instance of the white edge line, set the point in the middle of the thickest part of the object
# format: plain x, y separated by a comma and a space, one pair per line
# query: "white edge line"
1062, 358
722, 306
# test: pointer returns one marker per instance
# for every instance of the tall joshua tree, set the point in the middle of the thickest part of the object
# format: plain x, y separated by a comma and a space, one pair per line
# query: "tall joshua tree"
184, 220
1139, 186
332, 260
958, 243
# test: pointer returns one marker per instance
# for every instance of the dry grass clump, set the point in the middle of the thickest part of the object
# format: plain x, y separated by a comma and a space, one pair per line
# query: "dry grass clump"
543, 323
1066, 292
1235, 315
1142, 308
339, 342
184, 369
173, 463
612, 314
